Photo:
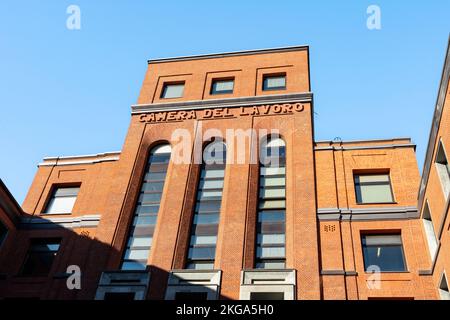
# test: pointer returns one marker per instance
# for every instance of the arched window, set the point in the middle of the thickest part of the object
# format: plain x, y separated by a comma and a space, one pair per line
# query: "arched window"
205, 224
147, 208
271, 225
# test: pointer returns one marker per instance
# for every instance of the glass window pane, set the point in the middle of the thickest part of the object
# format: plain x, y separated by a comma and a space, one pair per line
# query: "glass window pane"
222, 86
150, 197
136, 254
153, 186
274, 82
211, 184
374, 240
202, 253
155, 176
134, 265
372, 178
206, 219
271, 265
208, 206
143, 209
196, 240
210, 195
213, 173
264, 239
270, 252
387, 258
40, 257
272, 182
200, 266
273, 171
60, 192
374, 193
61, 205
172, 91
265, 216
272, 204
146, 220
141, 242
272, 193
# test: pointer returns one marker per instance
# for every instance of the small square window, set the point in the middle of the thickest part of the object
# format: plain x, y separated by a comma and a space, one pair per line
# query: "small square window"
222, 86
63, 200
373, 188
274, 82
40, 257
384, 252
172, 90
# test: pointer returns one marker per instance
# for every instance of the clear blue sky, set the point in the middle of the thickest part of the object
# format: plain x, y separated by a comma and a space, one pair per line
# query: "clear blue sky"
65, 92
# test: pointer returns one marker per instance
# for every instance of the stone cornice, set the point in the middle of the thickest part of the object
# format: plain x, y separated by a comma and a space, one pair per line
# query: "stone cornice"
367, 214
222, 103
230, 54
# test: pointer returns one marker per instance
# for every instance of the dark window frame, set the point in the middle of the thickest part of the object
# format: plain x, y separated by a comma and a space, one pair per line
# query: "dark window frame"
359, 201
364, 246
171, 83
262, 227
51, 194
30, 251
274, 75
214, 92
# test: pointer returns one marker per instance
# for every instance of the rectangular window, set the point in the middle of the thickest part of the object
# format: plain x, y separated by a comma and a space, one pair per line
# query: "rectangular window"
140, 236
63, 200
384, 252
443, 169
429, 230
271, 225
373, 188
222, 86
274, 82
3, 233
205, 222
172, 90
40, 257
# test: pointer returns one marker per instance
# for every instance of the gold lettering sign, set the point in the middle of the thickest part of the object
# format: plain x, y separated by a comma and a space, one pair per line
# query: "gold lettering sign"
217, 113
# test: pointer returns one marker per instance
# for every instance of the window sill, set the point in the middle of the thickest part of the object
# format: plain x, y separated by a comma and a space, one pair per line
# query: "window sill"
374, 203
387, 272
54, 214
274, 89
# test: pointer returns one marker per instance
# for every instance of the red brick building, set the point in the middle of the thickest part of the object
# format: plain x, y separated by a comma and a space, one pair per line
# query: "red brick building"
221, 192
435, 188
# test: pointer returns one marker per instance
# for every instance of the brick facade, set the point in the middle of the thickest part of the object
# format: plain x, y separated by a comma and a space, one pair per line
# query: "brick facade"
323, 221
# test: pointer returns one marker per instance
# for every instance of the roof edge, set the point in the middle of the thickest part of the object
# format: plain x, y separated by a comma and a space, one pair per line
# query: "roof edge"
229, 54
435, 123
